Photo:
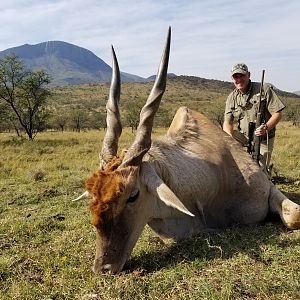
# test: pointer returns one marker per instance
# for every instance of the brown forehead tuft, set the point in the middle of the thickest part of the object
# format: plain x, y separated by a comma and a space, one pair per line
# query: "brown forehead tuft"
105, 187
114, 163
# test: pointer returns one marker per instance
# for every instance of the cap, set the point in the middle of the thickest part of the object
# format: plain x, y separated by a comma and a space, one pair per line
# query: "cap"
239, 68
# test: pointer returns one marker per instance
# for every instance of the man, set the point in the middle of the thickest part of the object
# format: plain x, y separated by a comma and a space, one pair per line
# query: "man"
242, 106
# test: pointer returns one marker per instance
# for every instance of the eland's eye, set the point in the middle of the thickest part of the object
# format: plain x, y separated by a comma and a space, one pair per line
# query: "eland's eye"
133, 197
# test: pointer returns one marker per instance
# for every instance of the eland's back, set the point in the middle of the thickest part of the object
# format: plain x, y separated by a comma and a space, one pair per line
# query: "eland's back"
210, 172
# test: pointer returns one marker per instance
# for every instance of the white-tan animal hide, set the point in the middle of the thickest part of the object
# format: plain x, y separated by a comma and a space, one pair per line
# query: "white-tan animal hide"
195, 178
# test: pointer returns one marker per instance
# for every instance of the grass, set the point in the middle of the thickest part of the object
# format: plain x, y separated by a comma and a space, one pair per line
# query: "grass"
47, 243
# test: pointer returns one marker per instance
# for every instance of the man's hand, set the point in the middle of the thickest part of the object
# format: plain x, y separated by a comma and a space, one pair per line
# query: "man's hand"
261, 130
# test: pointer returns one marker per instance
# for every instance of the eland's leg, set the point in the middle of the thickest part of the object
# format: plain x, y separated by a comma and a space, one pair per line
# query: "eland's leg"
288, 210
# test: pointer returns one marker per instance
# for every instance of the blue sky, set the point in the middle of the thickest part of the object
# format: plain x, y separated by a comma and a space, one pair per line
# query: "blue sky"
208, 36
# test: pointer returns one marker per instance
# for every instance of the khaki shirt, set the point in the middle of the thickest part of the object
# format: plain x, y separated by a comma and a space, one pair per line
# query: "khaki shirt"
244, 107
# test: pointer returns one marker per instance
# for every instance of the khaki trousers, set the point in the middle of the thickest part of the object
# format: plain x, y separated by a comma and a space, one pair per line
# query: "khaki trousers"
266, 149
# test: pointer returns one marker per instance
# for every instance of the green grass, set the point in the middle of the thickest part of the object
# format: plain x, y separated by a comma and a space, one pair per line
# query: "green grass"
47, 243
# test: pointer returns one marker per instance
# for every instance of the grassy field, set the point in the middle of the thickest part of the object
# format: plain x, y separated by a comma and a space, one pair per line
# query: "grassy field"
47, 242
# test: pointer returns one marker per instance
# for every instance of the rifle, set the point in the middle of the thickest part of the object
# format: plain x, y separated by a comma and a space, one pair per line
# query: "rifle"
260, 119
251, 128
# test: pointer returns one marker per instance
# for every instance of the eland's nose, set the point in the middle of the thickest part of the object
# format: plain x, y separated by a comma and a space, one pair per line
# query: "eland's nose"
106, 268
98, 268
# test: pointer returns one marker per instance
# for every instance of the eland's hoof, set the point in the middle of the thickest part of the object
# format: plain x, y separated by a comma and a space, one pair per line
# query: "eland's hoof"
291, 214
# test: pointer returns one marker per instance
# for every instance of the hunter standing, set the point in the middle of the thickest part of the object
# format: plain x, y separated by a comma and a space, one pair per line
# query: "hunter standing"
242, 108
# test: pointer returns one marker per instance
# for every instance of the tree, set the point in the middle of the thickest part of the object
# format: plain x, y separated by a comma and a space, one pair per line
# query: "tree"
215, 112
133, 109
292, 112
24, 93
78, 119
96, 120
8, 120
164, 116
58, 119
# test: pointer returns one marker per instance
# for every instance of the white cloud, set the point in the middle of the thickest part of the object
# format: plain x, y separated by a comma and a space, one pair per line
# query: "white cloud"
208, 36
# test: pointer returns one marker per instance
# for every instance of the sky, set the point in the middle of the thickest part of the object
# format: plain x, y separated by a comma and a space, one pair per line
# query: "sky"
208, 36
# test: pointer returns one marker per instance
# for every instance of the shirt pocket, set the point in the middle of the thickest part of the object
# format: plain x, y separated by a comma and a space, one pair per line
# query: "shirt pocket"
255, 103
238, 113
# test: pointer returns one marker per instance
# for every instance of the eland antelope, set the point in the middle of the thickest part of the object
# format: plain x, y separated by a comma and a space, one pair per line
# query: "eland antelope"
193, 179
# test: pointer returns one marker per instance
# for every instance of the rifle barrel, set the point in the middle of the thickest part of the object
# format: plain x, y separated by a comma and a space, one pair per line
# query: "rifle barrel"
261, 88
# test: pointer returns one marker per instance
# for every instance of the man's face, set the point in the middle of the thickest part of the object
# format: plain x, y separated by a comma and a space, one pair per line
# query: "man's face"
241, 81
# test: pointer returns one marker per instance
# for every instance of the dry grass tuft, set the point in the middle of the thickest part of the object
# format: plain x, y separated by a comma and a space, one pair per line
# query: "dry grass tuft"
37, 175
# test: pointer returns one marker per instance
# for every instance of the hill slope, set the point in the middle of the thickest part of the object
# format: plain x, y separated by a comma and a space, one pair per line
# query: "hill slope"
66, 63
71, 64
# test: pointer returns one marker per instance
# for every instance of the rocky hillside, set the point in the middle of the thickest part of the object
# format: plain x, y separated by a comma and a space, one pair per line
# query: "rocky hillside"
66, 63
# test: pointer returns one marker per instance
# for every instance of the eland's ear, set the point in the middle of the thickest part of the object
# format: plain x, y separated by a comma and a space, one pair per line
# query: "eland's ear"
169, 198
161, 190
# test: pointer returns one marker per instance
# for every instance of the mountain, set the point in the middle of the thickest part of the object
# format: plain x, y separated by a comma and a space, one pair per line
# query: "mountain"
153, 77
71, 64
66, 63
